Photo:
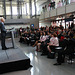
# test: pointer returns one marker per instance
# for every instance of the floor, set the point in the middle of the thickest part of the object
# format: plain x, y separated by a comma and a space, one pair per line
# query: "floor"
41, 64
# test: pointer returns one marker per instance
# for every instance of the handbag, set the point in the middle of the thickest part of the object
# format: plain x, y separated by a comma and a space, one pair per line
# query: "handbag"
51, 55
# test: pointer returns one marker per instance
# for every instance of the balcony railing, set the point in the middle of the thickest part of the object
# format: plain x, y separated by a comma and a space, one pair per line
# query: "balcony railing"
62, 10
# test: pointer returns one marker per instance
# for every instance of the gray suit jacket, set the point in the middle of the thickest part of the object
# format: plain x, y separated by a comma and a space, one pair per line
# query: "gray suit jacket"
2, 27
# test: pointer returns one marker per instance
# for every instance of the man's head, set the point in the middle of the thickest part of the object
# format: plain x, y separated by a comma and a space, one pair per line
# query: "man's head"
2, 19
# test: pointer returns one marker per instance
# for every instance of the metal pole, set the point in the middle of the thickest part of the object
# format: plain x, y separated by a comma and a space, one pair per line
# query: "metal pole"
21, 8
18, 10
35, 7
30, 4
26, 8
65, 18
4, 4
11, 9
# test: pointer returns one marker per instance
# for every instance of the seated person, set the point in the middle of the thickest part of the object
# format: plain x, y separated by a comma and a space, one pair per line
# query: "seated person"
32, 38
53, 42
41, 34
27, 38
44, 45
42, 40
69, 45
22, 36
37, 35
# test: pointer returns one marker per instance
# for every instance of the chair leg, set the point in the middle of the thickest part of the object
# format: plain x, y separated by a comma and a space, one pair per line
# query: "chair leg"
70, 58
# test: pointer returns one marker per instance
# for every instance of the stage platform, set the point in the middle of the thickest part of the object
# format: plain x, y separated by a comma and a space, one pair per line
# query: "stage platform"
13, 60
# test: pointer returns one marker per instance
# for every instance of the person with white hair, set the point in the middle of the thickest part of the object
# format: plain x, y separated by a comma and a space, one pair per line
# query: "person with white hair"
3, 33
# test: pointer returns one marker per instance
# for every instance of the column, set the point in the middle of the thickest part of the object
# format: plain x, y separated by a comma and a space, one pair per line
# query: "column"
4, 4
30, 5
35, 7
18, 9
11, 9
26, 8
65, 18
21, 9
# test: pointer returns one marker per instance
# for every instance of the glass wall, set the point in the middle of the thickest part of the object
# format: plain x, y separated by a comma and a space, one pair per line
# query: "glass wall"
8, 11
28, 11
1, 8
14, 8
33, 9
24, 10
39, 10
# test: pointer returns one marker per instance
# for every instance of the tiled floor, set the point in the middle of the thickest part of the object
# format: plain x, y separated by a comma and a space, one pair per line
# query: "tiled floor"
41, 64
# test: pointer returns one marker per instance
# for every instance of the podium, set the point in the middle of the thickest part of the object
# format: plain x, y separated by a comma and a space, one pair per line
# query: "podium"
12, 38
13, 41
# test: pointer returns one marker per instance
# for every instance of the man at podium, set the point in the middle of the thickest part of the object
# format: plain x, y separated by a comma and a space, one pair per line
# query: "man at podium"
3, 33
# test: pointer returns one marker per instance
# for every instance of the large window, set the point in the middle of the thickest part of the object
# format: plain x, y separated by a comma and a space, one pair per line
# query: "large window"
28, 9
33, 9
8, 11
24, 9
14, 8
1, 9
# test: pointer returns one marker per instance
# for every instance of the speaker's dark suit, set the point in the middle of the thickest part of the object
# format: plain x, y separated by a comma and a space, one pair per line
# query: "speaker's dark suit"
3, 35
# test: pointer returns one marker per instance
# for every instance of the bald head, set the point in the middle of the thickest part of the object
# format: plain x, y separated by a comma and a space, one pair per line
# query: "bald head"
2, 19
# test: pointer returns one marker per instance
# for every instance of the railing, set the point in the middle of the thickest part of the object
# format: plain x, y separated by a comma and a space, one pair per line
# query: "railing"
57, 5
16, 16
69, 8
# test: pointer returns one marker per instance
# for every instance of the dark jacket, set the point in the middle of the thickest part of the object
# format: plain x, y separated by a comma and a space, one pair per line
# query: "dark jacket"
2, 27
3, 30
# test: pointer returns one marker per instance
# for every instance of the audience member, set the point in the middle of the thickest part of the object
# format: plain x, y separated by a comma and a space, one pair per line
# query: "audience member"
46, 39
53, 42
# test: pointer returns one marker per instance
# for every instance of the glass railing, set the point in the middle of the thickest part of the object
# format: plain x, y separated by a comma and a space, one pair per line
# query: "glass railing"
59, 10
59, 4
